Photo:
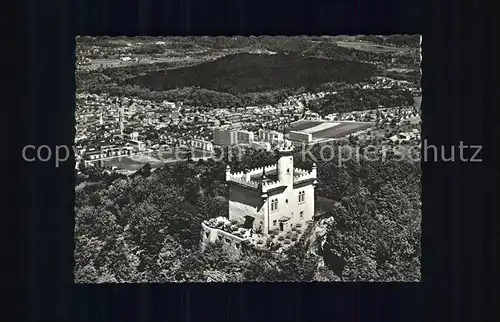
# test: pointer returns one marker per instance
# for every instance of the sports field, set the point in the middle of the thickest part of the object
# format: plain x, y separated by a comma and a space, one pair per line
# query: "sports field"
156, 159
124, 163
328, 130
304, 125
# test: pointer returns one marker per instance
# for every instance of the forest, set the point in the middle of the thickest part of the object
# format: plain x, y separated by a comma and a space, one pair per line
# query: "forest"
268, 80
246, 73
146, 227
356, 99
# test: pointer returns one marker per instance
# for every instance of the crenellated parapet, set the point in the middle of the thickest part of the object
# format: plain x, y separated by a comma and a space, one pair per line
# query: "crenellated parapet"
255, 171
245, 177
303, 175
298, 171
242, 180
252, 178
259, 171
237, 174
267, 186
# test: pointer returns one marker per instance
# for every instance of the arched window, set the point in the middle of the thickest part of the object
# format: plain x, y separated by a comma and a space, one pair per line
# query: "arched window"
274, 204
302, 196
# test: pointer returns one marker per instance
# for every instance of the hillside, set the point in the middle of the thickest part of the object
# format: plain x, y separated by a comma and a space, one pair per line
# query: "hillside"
244, 73
147, 228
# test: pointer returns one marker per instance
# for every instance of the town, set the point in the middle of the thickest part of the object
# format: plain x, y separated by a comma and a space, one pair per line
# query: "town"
111, 128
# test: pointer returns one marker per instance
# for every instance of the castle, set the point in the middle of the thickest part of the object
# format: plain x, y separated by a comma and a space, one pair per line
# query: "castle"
273, 201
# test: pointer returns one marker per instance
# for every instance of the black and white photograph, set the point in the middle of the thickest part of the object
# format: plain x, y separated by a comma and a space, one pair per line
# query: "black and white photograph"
248, 159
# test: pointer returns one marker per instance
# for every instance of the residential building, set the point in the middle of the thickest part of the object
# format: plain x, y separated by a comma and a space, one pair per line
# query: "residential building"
134, 135
139, 145
245, 137
201, 144
273, 137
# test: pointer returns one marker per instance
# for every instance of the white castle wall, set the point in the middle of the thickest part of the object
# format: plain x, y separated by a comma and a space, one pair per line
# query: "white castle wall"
289, 206
244, 202
212, 235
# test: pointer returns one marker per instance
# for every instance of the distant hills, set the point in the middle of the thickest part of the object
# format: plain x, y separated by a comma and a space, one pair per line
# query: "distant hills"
245, 73
273, 43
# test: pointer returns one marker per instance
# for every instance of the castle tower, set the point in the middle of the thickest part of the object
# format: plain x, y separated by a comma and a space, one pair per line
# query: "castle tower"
285, 163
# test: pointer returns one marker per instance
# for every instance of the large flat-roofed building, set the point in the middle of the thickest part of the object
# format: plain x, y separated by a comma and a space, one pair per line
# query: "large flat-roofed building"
227, 137
299, 136
224, 137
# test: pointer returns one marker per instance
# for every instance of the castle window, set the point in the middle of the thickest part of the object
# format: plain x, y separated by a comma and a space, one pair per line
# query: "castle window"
274, 222
274, 205
302, 196
207, 234
301, 214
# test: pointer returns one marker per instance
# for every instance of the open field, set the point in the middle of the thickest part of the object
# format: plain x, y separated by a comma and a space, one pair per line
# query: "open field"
126, 163
305, 124
114, 63
328, 130
342, 129
320, 127
366, 46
